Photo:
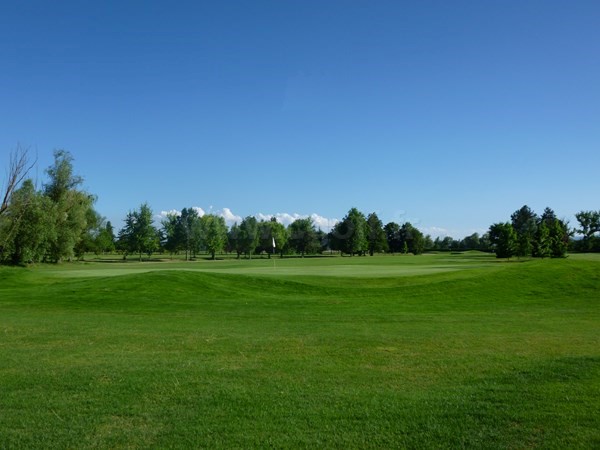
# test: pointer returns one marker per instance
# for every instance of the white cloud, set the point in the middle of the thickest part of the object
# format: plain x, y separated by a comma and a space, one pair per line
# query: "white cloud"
176, 212
199, 210
435, 231
324, 223
287, 218
230, 218
261, 216
321, 222
164, 214
454, 233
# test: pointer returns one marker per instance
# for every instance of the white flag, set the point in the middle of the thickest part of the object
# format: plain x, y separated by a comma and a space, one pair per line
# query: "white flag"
273, 242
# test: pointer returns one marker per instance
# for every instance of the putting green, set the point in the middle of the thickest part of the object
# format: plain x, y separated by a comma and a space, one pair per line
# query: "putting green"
376, 267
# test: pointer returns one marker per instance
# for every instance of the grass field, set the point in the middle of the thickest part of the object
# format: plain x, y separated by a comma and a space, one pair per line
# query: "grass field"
434, 351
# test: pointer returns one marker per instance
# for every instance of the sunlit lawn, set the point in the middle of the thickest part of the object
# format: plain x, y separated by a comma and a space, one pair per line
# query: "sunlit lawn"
365, 352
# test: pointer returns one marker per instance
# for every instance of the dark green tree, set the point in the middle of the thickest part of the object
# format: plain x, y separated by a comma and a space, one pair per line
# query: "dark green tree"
559, 238
542, 247
413, 238
188, 232
139, 236
169, 232
339, 236
548, 216
484, 243
248, 235
357, 242
524, 221
471, 242
375, 234
350, 234
503, 239
393, 237
302, 236
445, 244
322, 240
234, 243
428, 243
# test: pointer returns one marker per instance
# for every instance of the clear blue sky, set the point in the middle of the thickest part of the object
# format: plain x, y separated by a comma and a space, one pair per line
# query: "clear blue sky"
448, 114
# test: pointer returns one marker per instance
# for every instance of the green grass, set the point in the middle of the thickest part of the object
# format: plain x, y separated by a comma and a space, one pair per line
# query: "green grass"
435, 351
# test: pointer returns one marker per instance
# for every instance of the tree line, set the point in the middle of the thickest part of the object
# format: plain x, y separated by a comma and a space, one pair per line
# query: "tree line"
190, 234
58, 222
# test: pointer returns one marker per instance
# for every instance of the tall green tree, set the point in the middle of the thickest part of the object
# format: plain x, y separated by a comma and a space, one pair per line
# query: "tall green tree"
524, 221
248, 235
542, 247
375, 234
234, 243
302, 236
558, 234
503, 238
70, 206
214, 232
559, 238
169, 232
548, 216
188, 232
412, 239
350, 234
139, 236
393, 237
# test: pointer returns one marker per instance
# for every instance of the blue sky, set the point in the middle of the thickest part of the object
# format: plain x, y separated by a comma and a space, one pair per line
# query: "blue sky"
451, 115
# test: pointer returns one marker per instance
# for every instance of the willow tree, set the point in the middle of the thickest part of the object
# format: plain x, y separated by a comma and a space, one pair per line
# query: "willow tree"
70, 206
